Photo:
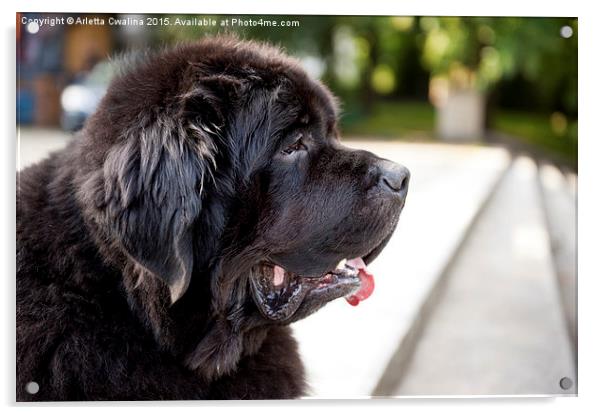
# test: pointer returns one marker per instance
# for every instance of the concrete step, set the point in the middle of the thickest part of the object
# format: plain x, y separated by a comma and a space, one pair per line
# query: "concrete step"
498, 328
347, 349
560, 207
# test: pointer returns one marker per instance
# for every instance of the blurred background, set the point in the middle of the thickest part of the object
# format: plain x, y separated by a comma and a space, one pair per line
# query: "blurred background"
477, 289
399, 77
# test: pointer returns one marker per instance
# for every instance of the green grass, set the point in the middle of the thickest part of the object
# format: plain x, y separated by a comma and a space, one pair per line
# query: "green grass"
393, 120
536, 130
416, 120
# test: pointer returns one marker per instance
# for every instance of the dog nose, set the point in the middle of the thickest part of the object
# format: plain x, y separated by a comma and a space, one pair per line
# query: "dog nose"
394, 177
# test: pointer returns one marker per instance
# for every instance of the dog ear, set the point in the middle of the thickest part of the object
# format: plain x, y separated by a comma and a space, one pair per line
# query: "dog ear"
213, 96
152, 187
153, 181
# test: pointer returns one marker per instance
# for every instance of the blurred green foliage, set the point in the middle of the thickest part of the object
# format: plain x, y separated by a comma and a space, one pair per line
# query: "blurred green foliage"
381, 67
504, 48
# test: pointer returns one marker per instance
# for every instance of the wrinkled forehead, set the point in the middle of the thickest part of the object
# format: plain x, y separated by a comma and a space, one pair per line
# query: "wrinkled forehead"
268, 116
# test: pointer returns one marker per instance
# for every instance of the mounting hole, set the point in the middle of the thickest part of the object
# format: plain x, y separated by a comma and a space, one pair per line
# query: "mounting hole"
566, 383
32, 388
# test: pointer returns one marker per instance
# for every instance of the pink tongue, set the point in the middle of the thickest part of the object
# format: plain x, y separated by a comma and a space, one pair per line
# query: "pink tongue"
366, 281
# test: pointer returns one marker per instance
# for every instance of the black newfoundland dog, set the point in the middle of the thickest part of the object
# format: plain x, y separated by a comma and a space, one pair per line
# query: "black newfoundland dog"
207, 204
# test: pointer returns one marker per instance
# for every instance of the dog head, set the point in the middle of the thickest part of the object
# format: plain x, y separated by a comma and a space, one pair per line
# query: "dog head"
219, 162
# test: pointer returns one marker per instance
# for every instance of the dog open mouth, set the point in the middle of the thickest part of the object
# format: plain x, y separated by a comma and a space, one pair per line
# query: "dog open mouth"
284, 296
279, 293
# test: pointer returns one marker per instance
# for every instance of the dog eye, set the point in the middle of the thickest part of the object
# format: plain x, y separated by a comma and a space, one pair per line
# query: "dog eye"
296, 146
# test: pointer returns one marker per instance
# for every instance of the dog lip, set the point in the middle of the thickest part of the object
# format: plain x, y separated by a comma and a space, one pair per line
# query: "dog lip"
280, 302
267, 299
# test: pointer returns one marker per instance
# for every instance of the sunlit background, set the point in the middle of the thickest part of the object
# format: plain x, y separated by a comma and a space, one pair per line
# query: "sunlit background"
483, 110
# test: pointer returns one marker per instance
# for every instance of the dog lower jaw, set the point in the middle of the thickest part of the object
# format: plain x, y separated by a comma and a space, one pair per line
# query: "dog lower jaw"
278, 297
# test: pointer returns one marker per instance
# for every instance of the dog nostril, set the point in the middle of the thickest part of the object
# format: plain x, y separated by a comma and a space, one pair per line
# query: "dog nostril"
391, 184
404, 184
396, 179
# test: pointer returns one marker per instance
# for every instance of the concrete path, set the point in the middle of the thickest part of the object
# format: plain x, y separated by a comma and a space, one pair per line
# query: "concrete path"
498, 329
560, 206
34, 144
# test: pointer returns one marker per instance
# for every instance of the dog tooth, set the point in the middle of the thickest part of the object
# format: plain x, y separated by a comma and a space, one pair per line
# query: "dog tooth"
341, 264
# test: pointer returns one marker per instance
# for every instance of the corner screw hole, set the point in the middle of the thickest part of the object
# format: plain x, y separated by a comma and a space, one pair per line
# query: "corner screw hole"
566, 383
32, 388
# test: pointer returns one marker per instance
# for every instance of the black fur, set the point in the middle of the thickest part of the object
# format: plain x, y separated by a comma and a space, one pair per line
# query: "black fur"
136, 244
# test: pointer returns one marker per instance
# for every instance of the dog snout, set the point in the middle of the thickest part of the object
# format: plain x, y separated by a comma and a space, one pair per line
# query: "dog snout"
393, 177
